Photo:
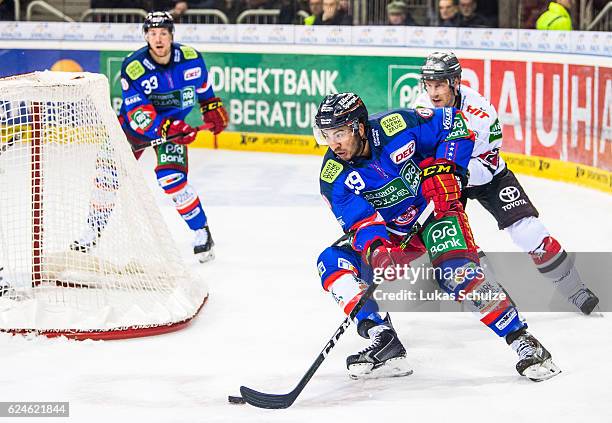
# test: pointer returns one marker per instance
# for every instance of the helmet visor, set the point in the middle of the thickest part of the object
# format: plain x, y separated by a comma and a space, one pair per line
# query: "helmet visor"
335, 133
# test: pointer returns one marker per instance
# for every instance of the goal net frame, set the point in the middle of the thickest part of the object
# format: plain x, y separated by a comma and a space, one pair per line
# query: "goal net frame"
129, 293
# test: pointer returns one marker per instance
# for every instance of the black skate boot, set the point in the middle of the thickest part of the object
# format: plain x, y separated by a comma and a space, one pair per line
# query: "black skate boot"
87, 241
203, 245
385, 357
585, 300
3, 285
535, 362
6, 290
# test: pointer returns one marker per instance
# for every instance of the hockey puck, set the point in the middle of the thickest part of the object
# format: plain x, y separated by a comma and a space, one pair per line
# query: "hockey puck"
236, 400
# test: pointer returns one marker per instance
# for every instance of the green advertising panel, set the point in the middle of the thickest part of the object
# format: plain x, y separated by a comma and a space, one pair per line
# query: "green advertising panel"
279, 93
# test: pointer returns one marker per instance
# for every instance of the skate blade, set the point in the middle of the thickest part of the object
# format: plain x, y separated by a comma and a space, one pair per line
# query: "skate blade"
12, 294
596, 312
394, 367
206, 256
542, 371
7, 292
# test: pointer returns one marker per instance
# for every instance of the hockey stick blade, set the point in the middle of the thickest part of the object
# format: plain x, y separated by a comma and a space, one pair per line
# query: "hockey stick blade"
280, 401
269, 401
276, 401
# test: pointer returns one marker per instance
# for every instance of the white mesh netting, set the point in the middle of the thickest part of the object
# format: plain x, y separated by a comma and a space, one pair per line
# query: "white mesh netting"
83, 246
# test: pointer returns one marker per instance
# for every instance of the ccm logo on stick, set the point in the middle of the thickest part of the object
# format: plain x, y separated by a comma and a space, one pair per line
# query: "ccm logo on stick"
403, 153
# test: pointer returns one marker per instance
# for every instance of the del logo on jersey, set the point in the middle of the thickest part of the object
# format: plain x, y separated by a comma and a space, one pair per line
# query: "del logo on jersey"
403, 153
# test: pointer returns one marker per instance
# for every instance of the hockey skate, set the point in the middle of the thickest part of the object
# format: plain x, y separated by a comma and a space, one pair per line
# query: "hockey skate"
535, 362
385, 357
6, 290
203, 245
3, 285
585, 300
86, 242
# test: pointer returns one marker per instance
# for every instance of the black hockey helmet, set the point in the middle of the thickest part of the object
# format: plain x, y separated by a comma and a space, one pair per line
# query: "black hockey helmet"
441, 66
341, 109
158, 20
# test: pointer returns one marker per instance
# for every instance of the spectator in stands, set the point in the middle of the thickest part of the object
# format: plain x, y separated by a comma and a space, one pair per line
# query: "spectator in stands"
530, 12
398, 14
332, 15
7, 10
178, 10
345, 7
556, 17
449, 15
468, 17
316, 9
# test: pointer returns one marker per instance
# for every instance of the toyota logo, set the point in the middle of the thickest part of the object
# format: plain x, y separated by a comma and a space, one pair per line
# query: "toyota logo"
509, 194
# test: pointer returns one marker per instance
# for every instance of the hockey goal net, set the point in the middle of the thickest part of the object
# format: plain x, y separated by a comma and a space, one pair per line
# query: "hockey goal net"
84, 251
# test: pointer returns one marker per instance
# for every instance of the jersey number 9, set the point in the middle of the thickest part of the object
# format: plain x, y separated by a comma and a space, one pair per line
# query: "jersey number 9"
355, 182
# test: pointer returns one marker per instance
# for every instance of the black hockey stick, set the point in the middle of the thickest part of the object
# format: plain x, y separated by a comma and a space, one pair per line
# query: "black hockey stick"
276, 401
159, 141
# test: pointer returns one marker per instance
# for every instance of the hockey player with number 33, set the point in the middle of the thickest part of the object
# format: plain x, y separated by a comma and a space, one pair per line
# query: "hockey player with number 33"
378, 176
161, 83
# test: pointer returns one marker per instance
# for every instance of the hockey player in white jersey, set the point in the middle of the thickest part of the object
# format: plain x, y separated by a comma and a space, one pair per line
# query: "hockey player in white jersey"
494, 185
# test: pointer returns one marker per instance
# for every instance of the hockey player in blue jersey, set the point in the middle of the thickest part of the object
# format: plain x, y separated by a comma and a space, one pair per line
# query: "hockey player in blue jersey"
378, 175
161, 83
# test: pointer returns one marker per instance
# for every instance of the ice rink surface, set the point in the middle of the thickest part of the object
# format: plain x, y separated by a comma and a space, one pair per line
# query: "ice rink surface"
267, 319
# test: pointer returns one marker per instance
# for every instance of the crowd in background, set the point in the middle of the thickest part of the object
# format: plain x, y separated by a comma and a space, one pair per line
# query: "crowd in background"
463, 13
541, 14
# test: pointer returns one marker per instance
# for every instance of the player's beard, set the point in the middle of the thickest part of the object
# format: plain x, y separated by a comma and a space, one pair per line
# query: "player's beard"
354, 151
361, 147
160, 55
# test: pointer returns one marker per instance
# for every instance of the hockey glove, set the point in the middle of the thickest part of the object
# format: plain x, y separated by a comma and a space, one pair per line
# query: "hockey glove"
439, 184
377, 255
214, 112
184, 133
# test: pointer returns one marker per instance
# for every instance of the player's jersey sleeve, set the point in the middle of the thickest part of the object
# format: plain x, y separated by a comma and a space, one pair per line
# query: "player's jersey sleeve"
137, 109
352, 212
492, 133
205, 90
196, 72
482, 119
455, 140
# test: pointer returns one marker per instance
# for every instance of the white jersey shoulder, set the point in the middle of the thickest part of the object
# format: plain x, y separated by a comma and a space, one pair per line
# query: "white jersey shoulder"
481, 116
482, 119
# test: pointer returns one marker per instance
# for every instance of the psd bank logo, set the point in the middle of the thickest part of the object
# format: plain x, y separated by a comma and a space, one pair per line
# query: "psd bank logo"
404, 85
